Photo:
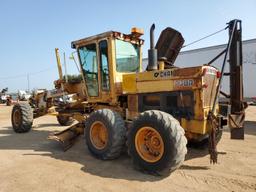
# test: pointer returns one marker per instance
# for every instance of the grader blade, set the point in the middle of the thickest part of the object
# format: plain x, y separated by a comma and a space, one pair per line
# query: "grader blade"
68, 136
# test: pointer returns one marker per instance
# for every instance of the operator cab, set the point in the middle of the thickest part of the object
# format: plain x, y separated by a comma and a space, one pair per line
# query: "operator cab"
104, 58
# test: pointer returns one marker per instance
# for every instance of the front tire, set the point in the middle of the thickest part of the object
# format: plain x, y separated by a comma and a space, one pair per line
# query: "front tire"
156, 143
105, 134
22, 117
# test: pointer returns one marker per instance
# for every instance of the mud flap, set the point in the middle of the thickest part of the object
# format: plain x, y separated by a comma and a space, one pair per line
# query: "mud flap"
68, 136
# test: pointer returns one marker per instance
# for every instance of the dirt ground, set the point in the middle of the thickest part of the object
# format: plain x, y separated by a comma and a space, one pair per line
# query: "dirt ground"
30, 162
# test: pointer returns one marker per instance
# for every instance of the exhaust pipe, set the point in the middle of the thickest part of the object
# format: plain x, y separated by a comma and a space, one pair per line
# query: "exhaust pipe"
152, 52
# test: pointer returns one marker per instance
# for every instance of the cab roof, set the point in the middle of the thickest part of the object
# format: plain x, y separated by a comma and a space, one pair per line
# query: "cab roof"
133, 37
78, 43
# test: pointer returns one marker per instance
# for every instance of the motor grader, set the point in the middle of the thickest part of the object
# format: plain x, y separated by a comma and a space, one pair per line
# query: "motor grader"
153, 112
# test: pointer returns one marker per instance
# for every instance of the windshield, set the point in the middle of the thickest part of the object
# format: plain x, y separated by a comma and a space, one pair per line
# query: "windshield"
127, 56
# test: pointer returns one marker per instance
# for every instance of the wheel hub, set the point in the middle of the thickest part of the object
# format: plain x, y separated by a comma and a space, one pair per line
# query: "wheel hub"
98, 135
149, 144
17, 117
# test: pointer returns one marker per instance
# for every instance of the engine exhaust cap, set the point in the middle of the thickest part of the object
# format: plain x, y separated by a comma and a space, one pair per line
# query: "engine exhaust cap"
152, 52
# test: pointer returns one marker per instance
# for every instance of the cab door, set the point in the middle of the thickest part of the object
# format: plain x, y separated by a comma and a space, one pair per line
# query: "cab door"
89, 64
94, 60
104, 70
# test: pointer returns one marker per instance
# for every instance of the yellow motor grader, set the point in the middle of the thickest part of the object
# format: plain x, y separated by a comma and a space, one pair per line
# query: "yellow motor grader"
153, 112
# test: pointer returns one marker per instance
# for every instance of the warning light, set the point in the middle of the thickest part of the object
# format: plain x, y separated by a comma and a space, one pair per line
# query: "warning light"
137, 31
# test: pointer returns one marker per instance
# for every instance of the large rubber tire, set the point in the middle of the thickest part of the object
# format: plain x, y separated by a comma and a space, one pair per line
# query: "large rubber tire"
65, 120
173, 138
22, 117
116, 131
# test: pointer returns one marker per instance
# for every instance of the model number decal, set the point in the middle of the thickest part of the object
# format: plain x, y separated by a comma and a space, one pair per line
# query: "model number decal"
163, 74
184, 83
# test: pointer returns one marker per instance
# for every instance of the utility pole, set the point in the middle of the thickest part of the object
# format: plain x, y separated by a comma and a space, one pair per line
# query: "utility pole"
237, 116
28, 82
65, 66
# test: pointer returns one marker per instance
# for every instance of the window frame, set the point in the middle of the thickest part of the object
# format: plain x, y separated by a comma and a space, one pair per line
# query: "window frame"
83, 73
108, 65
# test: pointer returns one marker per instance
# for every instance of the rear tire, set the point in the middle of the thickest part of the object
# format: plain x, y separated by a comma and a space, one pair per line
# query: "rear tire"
151, 158
22, 117
105, 134
65, 120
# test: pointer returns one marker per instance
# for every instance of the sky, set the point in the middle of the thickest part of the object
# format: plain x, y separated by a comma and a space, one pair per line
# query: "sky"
30, 30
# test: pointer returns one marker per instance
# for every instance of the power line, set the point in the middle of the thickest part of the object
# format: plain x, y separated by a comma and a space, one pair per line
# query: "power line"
25, 75
44, 70
196, 41
13, 77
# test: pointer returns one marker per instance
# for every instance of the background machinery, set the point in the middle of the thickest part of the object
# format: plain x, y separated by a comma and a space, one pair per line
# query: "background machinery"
3, 95
23, 95
153, 112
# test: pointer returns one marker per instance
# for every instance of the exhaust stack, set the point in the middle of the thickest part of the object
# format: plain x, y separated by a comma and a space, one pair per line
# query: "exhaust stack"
152, 52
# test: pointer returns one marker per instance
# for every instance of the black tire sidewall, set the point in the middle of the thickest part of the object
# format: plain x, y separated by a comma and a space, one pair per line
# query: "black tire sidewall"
16, 108
166, 136
109, 123
26, 120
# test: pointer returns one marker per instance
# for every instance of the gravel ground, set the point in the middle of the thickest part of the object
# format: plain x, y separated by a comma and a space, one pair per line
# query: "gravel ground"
30, 162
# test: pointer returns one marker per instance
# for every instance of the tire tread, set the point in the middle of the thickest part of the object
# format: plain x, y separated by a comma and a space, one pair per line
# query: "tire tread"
27, 117
175, 133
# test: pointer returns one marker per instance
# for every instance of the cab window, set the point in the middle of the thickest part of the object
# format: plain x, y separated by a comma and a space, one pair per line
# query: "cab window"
127, 56
104, 70
88, 57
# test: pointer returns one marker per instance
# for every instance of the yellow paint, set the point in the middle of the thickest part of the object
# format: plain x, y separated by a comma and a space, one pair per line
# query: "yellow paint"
162, 80
58, 63
195, 126
155, 75
161, 65
53, 114
154, 86
129, 83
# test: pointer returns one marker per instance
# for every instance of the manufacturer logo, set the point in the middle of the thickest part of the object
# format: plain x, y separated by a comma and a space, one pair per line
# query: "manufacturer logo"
163, 74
